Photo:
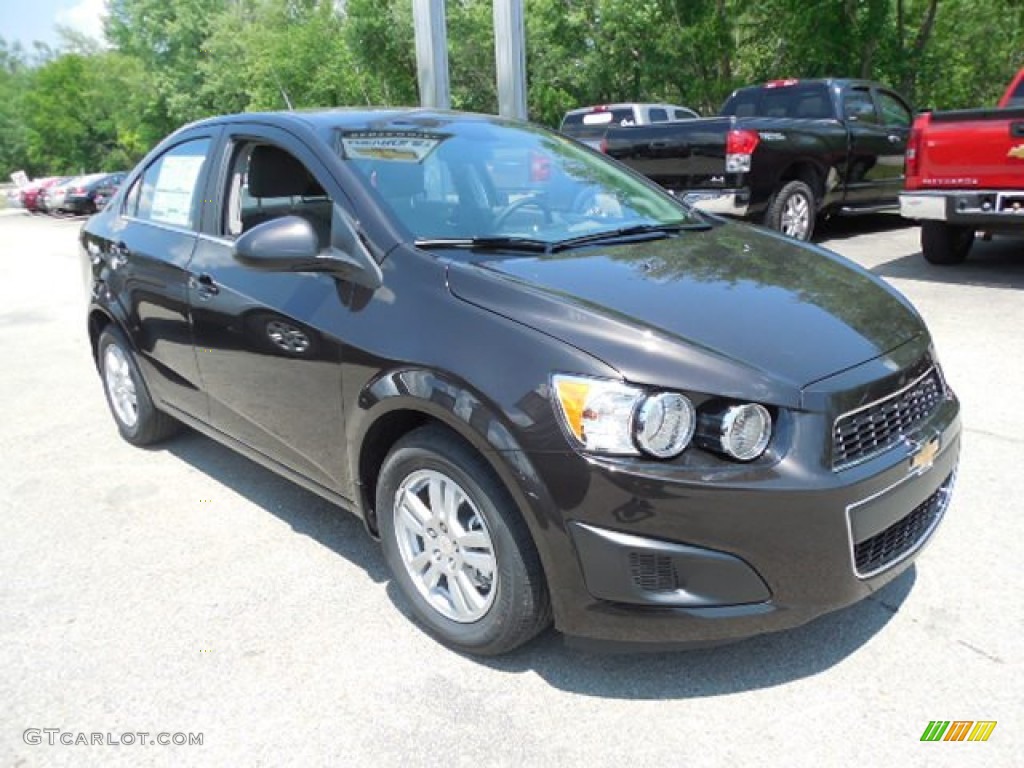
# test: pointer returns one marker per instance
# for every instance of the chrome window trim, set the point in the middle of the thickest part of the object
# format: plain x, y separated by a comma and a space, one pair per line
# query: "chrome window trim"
161, 225
215, 239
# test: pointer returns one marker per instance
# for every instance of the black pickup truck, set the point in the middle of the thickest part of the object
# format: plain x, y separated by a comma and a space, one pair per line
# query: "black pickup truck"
783, 153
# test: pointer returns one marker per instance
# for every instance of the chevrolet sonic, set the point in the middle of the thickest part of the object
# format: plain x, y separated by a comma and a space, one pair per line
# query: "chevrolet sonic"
552, 391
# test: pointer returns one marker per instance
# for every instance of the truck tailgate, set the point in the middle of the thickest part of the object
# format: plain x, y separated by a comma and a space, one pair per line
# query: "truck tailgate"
683, 155
973, 148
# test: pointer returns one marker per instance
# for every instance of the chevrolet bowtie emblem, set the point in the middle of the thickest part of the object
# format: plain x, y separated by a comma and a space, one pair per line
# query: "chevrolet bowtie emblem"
925, 456
1017, 152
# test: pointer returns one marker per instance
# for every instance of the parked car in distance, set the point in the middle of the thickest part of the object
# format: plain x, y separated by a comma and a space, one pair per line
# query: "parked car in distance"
30, 194
107, 190
586, 402
783, 153
589, 124
965, 172
87, 192
51, 197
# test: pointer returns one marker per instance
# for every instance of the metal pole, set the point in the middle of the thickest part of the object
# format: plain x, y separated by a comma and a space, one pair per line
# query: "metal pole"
431, 53
510, 57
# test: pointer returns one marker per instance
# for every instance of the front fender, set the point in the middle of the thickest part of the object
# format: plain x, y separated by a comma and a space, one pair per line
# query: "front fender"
481, 423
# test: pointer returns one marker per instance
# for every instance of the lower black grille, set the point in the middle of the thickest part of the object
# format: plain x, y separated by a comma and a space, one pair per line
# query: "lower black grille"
871, 430
653, 573
903, 536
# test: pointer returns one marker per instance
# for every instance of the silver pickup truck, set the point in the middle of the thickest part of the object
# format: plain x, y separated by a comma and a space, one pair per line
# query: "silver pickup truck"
589, 124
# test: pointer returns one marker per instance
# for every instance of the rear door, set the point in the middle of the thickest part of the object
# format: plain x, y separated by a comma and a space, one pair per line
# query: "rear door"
151, 243
268, 354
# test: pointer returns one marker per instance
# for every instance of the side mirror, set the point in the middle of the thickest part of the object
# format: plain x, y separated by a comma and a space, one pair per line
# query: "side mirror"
286, 244
290, 244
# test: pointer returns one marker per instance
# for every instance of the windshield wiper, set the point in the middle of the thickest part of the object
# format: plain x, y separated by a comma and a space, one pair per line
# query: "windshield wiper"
654, 231
493, 243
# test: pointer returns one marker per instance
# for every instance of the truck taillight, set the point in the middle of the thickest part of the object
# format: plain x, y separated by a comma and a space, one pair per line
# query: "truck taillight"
912, 158
739, 146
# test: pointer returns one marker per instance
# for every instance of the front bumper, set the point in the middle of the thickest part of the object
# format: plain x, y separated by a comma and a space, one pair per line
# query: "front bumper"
983, 209
665, 557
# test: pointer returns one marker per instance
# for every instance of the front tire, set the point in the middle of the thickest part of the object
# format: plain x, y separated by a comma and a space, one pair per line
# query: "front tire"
945, 244
137, 418
793, 211
457, 547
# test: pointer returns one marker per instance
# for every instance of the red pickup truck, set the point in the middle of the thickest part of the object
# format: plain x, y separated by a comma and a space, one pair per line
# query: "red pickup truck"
964, 173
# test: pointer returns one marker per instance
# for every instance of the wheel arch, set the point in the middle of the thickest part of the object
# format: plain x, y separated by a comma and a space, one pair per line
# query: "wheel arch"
99, 320
807, 171
388, 410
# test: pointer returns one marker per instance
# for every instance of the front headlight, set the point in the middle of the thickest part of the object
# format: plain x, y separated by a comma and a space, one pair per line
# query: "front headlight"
598, 412
739, 431
665, 424
612, 417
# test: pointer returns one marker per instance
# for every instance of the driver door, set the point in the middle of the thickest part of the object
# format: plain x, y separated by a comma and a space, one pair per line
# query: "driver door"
267, 342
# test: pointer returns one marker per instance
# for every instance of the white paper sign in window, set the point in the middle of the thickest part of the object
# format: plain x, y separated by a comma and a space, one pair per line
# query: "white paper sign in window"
175, 188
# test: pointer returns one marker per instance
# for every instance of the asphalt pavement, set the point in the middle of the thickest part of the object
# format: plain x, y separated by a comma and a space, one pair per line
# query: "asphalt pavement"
185, 590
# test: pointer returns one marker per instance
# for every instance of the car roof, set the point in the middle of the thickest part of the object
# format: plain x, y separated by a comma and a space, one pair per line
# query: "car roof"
358, 118
628, 105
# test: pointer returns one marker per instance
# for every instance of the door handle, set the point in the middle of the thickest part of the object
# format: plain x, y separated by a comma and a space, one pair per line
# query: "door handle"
894, 139
204, 286
658, 144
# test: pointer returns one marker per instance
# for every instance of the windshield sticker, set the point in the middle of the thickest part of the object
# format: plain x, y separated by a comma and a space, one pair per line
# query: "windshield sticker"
404, 147
597, 118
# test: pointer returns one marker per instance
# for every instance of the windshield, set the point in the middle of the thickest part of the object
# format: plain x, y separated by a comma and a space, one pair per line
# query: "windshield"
474, 179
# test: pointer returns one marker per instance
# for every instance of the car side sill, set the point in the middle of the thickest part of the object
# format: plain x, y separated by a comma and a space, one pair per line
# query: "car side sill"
253, 455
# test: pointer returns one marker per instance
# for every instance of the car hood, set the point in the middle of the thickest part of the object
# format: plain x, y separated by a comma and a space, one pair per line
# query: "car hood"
731, 310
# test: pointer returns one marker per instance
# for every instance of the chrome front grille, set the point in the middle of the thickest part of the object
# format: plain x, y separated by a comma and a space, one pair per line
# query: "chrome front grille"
868, 431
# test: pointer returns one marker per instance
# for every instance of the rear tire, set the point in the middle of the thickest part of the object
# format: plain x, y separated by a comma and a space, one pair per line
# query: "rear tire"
457, 547
945, 244
137, 418
793, 211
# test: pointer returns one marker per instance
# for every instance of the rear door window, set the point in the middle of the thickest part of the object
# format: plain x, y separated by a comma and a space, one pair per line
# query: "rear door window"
166, 192
1017, 97
659, 115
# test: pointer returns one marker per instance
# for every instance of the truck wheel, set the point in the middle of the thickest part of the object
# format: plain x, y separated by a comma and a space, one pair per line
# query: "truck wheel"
945, 244
457, 547
793, 210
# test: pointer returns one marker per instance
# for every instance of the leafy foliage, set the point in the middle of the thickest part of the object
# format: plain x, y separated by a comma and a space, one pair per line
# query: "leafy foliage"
87, 106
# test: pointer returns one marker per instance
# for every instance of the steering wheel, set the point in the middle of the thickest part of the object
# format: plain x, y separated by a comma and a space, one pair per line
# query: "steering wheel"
532, 201
588, 202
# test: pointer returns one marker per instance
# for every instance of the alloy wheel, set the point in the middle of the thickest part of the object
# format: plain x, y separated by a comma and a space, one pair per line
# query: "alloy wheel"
117, 375
445, 546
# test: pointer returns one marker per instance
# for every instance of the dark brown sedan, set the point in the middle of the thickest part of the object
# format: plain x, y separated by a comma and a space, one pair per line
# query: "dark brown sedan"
548, 387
